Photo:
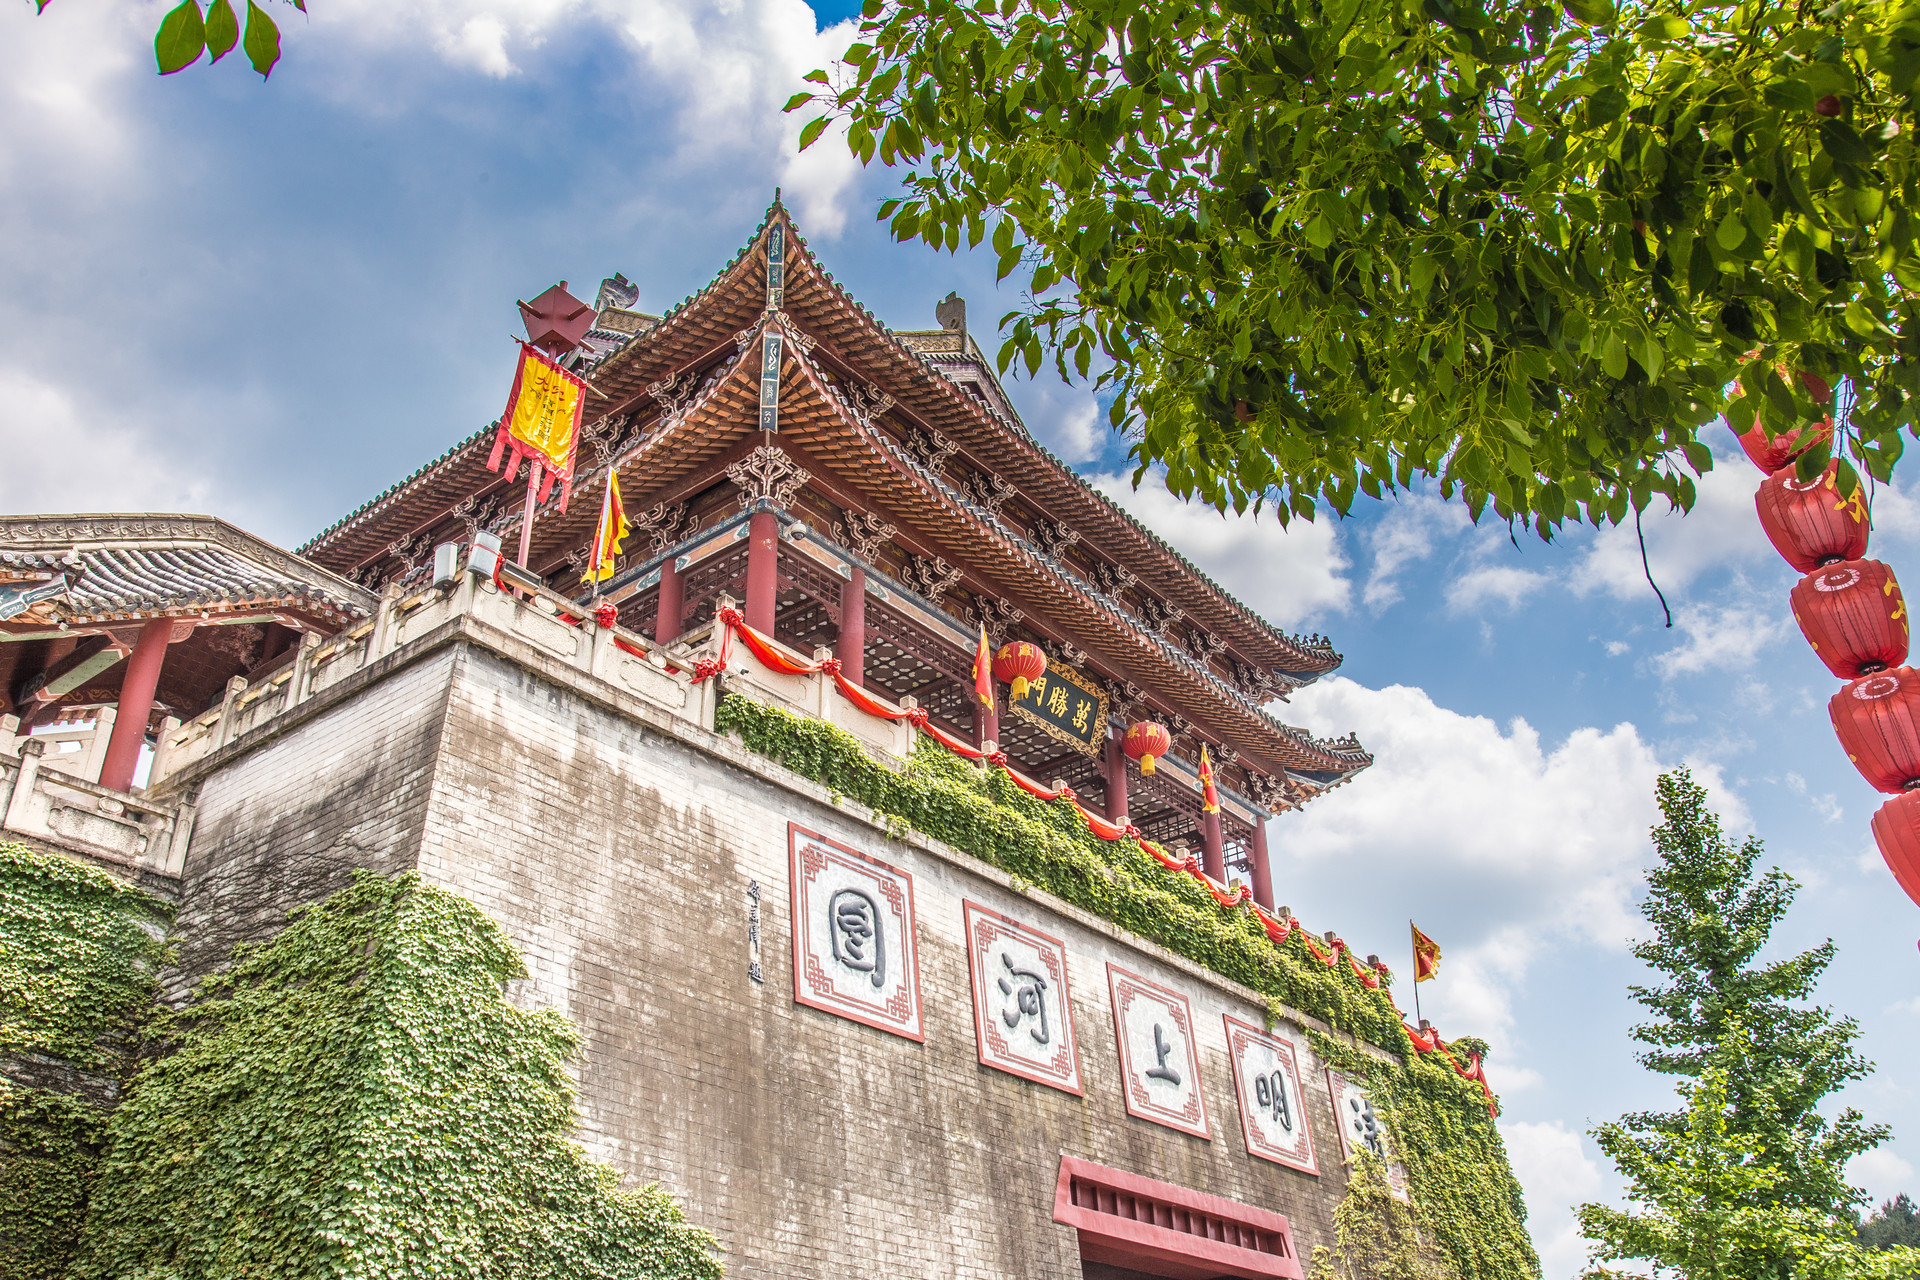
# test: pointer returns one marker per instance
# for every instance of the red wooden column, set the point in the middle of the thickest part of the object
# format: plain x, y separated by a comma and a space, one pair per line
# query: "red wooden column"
852, 649
672, 605
763, 562
1262, 873
1213, 850
1116, 770
136, 704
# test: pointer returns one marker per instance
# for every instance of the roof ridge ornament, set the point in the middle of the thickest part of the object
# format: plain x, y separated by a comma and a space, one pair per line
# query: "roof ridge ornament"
776, 261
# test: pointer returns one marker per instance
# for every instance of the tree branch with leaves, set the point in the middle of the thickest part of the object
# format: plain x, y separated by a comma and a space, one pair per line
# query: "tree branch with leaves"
1332, 246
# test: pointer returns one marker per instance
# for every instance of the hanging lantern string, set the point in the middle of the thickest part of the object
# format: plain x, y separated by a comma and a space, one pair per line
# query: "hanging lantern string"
1648, 569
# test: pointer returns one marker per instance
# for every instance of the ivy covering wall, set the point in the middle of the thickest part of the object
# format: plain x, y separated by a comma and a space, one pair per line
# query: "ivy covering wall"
356, 1098
78, 955
1464, 1194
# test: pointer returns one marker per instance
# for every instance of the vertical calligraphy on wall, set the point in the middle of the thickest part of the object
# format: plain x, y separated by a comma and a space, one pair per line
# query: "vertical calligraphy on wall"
753, 932
854, 950
1022, 1008
1273, 1105
1159, 1058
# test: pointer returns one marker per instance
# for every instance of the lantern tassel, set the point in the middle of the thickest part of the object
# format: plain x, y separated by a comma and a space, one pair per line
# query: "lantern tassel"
1146, 765
1019, 686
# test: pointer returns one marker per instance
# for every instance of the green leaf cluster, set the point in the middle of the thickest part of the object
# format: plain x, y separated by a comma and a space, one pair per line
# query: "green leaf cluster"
1376, 1235
1747, 1177
1321, 248
78, 954
356, 1098
187, 31
1046, 843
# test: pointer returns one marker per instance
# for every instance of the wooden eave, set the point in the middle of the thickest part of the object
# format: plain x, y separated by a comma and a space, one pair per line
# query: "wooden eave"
865, 349
849, 454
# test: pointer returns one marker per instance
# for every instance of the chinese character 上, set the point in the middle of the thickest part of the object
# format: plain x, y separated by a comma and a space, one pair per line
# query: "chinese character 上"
1161, 1071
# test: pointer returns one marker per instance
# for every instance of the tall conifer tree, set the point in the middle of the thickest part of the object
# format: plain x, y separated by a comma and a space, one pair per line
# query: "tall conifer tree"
1745, 1180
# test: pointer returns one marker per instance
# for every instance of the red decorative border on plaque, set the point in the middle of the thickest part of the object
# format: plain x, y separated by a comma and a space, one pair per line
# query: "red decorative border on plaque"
809, 853
1241, 1033
984, 926
1125, 988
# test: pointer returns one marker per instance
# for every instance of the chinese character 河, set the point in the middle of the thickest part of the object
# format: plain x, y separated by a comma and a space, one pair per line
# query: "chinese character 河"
1028, 990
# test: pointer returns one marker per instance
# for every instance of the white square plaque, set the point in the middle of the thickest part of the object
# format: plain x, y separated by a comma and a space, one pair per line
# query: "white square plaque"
1273, 1110
1159, 1061
1362, 1129
853, 941
1022, 1010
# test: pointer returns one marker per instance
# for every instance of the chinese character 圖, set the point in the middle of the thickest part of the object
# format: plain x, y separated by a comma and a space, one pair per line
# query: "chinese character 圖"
1162, 1050
1057, 701
1271, 1094
1028, 990
858, 943
1081, 707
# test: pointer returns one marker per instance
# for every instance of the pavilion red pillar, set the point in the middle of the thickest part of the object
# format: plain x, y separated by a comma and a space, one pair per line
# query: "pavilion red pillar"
852, 649
1116, 769
763, 561
1213, 850
1262, 873
136, 705
672, 605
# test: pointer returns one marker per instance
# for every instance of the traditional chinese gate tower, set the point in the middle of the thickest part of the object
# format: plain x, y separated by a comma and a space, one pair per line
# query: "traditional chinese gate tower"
874, 494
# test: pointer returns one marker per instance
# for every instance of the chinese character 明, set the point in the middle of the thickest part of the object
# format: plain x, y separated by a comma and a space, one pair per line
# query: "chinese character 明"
1271, 1094
1080, 710
1028, 990
1162, 1050
1365, 1126
854, 923
1057, 701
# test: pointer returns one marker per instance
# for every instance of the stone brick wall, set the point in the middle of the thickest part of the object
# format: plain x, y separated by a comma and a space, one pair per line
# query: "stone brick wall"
617, 845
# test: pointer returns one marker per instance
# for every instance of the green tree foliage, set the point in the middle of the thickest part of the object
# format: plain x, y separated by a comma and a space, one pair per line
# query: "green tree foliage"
356, 1098
1746, 1178
1895, 1226
1334, 245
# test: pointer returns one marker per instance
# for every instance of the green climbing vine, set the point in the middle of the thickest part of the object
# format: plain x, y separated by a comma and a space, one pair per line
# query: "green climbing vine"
1376, 1235
78, 955
1464, 1194
1046, 844
355, 1098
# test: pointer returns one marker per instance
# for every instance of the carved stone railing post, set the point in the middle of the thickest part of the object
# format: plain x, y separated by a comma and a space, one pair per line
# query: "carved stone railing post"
176, 857
383, 627
162, 748
97, 746
18, 803
302, 674
223, 733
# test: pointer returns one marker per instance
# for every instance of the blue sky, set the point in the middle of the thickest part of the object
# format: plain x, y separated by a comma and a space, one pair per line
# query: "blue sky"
269, 301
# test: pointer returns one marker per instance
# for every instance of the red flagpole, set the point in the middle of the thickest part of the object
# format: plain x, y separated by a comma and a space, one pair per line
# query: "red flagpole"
526, 519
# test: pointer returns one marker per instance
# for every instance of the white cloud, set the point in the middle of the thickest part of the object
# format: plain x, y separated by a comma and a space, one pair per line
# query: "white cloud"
481, 43
1411, 531
1719, 532
1882, 1172
1517, 844
1492, 583
1617, 647
1285, 575
44, 435
1558, 1175
1723, 634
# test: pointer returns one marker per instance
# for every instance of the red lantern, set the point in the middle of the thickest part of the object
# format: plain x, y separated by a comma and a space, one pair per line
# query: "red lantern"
1877, 719
1896, 829
1854, 616
1144, 741
1811, 524
1778, 453
1017, 663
